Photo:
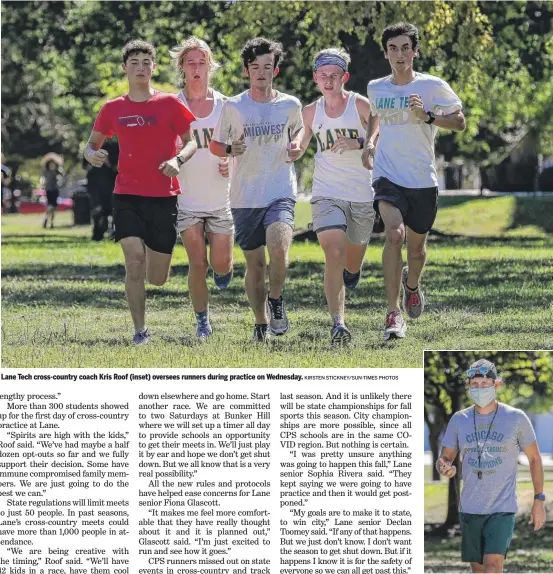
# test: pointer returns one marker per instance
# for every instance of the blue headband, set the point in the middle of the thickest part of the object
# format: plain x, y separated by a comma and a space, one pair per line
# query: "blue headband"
330, 60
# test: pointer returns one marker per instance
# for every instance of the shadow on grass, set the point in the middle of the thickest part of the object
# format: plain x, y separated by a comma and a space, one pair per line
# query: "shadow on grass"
529, 212
40, 240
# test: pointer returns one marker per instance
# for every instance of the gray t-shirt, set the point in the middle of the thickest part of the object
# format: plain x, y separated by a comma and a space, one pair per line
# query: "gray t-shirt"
511, 432
261, 175
405, 148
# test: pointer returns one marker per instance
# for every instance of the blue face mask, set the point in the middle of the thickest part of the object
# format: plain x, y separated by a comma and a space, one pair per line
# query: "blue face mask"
482, 397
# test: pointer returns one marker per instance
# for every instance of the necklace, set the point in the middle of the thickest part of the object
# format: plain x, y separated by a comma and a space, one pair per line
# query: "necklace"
478, 449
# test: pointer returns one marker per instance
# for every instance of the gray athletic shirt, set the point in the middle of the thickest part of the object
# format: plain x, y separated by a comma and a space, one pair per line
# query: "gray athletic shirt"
405, 148
261, 175
511, 432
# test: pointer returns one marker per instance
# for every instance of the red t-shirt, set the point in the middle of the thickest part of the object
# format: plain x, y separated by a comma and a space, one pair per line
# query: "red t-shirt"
147, 133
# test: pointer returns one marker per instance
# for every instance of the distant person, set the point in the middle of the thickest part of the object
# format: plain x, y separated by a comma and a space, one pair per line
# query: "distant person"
204, 205
147, 124
489, 437
409, 107
342, 195
6, 180
52, 180
100, 186
261, 130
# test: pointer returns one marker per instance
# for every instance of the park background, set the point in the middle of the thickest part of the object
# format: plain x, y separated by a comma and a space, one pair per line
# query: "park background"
528, 385
490, 266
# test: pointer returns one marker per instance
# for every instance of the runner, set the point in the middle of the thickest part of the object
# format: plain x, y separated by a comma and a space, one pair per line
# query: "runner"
147, 124
53, 177
490, 436
409, 106
204, 205
342, 196
262, 129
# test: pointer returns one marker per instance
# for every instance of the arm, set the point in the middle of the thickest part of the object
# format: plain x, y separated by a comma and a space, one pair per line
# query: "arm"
454, 121
371, 137
300, 142
444, 464
92, 152
537, 515
171, 167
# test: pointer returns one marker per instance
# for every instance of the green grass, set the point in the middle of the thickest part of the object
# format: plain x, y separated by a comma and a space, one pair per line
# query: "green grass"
63, 299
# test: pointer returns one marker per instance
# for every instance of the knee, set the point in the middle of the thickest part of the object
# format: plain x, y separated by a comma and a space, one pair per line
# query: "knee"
395, 236
256, 268
493, 565
158, 279
278, 253
417, 251
335, 255
221, 263
198, 266
135, 266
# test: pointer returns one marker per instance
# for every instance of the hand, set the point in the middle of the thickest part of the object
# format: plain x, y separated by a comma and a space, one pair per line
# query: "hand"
294, 152
417, 107
223, 167
170, 168
537, 515
445, 468
367, 157
97, 158
239, 146
343, 144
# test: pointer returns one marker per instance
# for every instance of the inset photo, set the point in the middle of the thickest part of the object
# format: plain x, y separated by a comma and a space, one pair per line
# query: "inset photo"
488, 461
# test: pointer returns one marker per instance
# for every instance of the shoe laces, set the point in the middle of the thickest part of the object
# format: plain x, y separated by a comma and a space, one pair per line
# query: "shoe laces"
392, 318
276, 308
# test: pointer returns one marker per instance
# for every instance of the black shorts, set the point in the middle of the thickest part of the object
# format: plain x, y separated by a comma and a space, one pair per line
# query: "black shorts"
418, 206
52, 197
153, 219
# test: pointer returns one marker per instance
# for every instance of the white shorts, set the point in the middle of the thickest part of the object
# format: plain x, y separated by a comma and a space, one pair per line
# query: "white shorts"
217, 221
356, 219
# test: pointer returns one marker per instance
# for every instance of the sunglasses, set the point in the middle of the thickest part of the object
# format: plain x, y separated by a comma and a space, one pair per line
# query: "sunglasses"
481, 371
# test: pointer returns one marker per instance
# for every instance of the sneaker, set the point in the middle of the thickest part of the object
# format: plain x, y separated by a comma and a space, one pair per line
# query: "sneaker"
340, 335
222, 281
142, 337
395, 326
261, 333
412, 301
351, 280
279, 323
203, 326
45, 223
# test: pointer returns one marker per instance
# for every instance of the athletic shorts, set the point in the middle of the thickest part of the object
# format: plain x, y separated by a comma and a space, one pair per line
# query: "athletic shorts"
217, 221
418, 206
355, 218
485, 534
251, 223
153, 219
52, 197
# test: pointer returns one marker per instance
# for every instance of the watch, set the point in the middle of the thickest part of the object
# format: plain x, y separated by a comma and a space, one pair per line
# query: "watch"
179, 159
361, 142
228, 149
539, 497
431, 118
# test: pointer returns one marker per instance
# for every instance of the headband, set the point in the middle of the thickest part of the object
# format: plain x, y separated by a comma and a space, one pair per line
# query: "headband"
330, 60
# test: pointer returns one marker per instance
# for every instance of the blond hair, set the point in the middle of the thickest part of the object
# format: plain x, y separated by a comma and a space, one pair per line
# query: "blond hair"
178, 53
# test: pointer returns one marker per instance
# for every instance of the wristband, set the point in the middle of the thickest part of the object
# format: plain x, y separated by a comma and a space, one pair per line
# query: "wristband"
228, 149
179, 159
361, 142
431, 118
539, 497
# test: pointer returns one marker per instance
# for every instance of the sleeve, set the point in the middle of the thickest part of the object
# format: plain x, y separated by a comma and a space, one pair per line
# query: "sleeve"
525, 433
104, 121
183, 117
451, 436
370, 96
296, 119
223, 132
444, 100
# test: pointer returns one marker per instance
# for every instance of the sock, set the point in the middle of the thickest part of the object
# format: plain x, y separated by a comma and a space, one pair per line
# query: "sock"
337, 320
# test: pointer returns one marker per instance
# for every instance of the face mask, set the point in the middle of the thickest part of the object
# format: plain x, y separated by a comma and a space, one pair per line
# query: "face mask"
482, 397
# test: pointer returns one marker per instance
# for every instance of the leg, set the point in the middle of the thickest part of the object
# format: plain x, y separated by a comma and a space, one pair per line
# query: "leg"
493, 563
157, 266
220, 252
416, 257
479, 568
135, 267
391, 257
255, 283
333, 243
194, 243
52, 215
354, 256
279, 239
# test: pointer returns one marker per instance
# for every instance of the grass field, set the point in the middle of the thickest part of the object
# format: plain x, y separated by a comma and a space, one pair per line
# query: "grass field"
530, 551
63, 298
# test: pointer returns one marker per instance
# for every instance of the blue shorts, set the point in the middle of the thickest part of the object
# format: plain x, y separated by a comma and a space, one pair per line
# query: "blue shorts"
251, 223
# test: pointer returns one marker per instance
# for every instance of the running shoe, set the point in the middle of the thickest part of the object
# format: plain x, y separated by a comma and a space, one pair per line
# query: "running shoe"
340, 335
351, 280
278, 323
222, 281
413, 300
261, 333
203, 327
395, 326
142, 337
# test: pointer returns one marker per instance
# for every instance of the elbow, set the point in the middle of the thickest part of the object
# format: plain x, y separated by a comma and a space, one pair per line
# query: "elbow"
461, 124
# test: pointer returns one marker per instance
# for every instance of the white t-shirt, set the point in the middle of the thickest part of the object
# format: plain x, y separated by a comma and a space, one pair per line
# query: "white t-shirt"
405, 149
261, 175
203, 187
339, 175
